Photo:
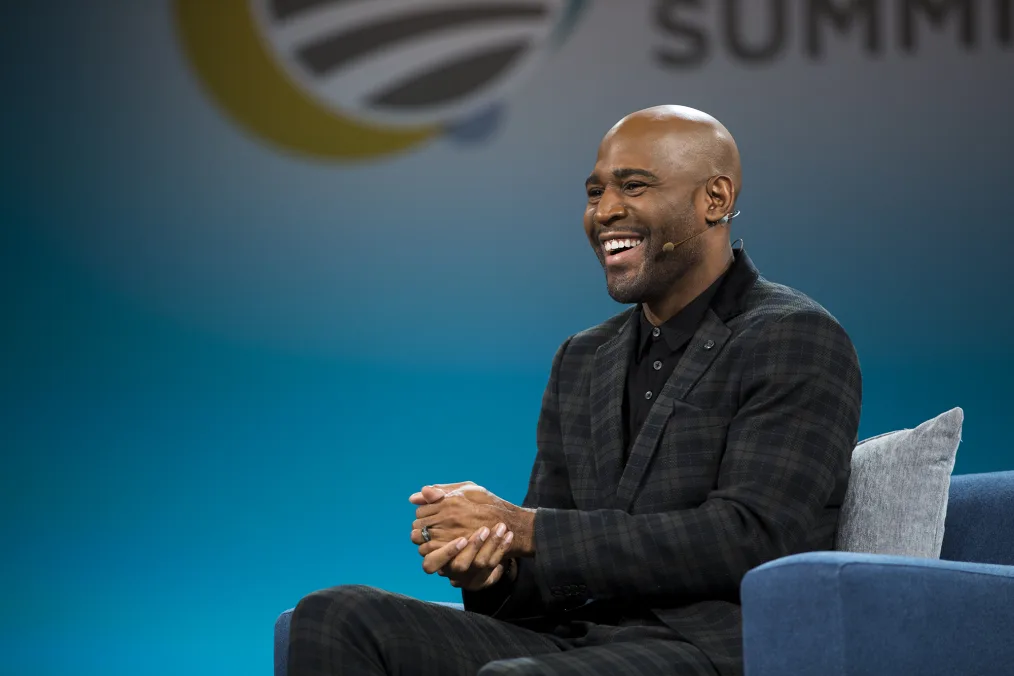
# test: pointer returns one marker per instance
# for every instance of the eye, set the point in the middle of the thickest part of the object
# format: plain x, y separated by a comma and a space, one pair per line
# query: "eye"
634, 186
594, 193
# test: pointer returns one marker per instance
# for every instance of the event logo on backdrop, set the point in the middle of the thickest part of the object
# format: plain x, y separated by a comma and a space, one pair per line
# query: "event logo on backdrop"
355, 79
757, 32
355, 189
358, 79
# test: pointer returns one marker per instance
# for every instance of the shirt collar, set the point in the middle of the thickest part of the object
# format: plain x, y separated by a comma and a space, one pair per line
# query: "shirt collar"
681, 326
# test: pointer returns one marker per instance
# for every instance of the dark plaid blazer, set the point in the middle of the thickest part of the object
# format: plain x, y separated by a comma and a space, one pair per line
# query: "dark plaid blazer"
744, 458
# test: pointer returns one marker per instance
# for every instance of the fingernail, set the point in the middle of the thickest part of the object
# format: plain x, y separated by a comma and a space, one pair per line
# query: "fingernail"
461, 543
483, 534
507, 540
500, 530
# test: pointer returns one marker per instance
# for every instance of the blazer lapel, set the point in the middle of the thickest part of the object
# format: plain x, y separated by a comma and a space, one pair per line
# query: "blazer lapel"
608, 384
707, 343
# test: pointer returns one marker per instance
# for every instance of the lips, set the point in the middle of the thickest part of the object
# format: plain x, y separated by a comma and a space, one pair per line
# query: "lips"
621, 249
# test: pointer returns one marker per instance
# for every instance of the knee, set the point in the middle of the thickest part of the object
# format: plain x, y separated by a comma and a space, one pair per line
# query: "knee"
341, 605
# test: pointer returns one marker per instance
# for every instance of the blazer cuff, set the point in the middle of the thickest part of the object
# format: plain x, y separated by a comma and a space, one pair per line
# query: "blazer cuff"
558, 568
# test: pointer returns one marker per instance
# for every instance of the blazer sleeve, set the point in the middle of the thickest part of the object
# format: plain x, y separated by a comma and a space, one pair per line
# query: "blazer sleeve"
548, 486
792, 436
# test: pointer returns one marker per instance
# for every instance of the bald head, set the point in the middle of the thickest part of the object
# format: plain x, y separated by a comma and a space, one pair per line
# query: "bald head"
685, 139
665, 181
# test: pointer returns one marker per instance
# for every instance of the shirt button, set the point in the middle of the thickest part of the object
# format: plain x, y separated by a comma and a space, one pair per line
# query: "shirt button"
656, 331
657, 365
708, 345
647, 395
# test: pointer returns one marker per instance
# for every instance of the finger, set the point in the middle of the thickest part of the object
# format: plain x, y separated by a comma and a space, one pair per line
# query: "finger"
439, 537
431, 494
452, 487
428, 548
417, 537
428, 510
463, 561
505, 547
481, 578
428, 522
436, 560
494, 576
484, 558
501, 550
435, 492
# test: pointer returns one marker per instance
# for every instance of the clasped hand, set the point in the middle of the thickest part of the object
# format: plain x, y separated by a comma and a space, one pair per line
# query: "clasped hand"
469, 536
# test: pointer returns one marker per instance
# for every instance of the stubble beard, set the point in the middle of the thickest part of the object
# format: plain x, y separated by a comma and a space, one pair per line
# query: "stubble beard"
656, 277
660, 270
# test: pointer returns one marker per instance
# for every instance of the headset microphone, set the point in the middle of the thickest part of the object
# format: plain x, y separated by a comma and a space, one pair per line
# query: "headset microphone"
669, 246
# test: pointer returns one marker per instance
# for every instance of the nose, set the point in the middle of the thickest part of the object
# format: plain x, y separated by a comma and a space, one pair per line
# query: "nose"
610, 208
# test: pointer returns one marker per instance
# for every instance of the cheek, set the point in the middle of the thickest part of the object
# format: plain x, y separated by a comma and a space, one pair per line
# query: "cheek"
676, 220
589, 222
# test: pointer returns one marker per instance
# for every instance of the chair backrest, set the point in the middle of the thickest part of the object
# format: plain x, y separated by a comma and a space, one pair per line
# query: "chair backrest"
980, 519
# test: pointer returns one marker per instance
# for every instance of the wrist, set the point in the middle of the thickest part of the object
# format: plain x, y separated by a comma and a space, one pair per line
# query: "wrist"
523, 527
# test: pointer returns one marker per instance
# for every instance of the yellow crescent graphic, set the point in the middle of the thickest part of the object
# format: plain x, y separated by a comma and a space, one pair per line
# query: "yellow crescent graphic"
223, 44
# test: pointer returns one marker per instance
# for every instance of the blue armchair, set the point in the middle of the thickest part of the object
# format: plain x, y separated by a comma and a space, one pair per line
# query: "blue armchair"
838, 613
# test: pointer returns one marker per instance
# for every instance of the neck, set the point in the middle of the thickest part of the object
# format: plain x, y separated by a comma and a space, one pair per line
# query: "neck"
690, 286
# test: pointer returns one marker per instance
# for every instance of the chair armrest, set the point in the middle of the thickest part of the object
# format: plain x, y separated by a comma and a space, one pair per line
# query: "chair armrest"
282, 625
838, 614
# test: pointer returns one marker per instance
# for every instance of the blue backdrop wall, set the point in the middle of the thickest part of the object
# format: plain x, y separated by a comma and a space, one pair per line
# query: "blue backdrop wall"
263, 277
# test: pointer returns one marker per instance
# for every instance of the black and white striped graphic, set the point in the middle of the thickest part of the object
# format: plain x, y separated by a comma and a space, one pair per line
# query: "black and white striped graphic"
408, 62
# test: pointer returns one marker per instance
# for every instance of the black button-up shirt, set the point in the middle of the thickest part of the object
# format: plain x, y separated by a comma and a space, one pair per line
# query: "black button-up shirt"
657, 351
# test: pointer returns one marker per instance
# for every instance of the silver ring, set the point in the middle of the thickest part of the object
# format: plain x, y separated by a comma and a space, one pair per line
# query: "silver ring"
425, 534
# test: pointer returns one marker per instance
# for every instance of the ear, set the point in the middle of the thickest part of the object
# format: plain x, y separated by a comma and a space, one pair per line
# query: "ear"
720, 196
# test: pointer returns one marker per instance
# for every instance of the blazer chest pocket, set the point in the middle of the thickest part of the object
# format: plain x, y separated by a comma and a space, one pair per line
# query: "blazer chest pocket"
692, 443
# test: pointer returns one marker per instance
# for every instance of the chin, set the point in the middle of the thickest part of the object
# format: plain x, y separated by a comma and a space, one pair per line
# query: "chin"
625, 291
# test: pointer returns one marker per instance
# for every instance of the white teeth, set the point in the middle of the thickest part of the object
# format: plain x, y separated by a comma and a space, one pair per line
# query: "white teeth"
614, 244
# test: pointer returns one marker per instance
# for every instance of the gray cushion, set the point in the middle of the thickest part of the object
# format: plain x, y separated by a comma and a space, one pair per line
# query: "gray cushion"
897, 495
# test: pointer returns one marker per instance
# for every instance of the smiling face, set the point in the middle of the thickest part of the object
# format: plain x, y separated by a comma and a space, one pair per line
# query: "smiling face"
639, 198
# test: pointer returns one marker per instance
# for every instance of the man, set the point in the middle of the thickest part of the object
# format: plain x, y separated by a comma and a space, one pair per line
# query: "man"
690, 438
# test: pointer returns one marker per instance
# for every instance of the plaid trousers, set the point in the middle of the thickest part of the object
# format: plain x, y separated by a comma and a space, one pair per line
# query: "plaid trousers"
365, 631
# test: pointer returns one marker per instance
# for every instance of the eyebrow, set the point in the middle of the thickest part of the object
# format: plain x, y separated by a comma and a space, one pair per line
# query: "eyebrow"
621, 174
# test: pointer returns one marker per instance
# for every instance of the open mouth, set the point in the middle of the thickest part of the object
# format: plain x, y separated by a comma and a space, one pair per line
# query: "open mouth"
614, 247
